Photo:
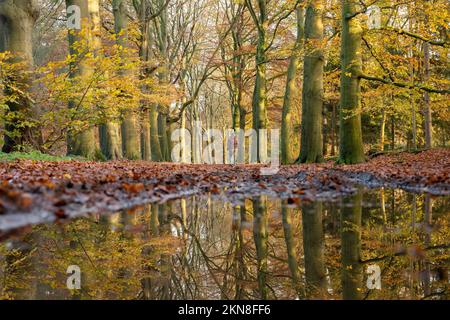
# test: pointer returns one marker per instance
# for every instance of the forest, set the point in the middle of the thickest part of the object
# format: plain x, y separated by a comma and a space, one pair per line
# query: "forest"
316, 133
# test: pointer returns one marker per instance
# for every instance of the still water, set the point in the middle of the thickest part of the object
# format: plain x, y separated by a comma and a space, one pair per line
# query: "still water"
379, 244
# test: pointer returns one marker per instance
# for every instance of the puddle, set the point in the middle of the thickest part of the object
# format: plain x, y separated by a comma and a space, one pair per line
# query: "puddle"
378, 244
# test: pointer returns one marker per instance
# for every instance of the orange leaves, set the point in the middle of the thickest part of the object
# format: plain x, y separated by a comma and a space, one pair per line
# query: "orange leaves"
133, 188
66, 187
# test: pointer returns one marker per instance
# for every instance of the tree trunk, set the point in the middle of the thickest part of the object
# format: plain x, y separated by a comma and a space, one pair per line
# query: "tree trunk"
259, 103
130, 124
17, 19
312, 102
291, 91
351, 143
382, 130
392, 133
146, 152
333, 130
154, 134
83, 143
110, 139
426, 97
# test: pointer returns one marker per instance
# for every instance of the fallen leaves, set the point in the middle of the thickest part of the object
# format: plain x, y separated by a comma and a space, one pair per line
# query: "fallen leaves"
67, 188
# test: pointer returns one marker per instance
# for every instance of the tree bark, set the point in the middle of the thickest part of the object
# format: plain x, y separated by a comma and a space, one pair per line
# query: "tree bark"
130, 123
312, 101
351, 143
83, 143
428, 119
259, 102
291, 91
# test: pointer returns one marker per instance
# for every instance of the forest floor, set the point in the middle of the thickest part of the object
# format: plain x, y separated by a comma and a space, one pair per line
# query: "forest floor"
44, 190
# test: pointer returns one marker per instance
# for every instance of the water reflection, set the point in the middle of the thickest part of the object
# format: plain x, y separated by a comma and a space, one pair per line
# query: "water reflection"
199, 248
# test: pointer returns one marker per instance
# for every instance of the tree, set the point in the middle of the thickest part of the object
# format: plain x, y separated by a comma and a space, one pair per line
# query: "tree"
291, 90
130, 131
259, 102
17, 19
351, 143
82, 143
313, 95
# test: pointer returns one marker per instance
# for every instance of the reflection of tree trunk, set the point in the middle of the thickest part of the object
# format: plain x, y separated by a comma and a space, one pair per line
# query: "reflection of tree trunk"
260, 221
290, 246
352, 276
312, 98
154, 220
383, 205
428, 221
313, 246
239, 254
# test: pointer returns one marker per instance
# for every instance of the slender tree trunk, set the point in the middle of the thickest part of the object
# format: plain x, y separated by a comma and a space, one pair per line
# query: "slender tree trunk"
392, 133
130, 124
259, 103
145, 135
162, 130
312, 101
84, 143
427, 101
154, 134
291, 91
351, 143
333, 130
17, 19
382, 130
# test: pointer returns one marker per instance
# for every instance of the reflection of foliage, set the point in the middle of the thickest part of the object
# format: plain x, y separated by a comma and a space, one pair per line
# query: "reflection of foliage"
207, 251
112, 262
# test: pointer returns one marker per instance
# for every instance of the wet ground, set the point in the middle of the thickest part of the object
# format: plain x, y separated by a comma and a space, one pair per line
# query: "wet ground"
374, 244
